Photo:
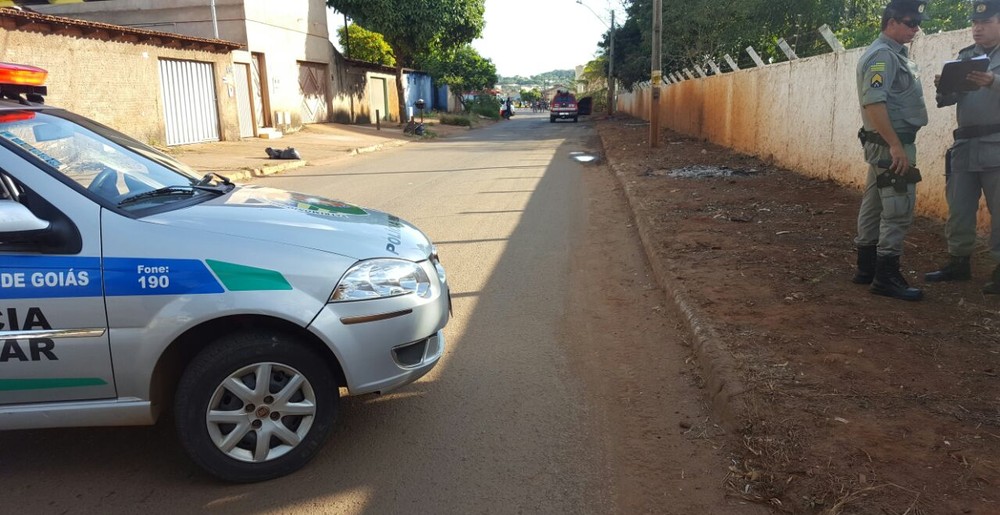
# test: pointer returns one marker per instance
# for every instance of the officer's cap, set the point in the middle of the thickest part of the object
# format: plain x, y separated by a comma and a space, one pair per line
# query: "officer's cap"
915, 8
984, 9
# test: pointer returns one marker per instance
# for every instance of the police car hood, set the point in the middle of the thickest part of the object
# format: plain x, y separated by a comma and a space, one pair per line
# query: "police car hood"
269, 214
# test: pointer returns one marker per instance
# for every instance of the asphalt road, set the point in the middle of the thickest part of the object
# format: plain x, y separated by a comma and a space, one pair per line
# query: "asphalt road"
526, 413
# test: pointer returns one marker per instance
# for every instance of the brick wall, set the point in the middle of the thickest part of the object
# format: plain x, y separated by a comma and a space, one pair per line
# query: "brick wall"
804, 115
115, 83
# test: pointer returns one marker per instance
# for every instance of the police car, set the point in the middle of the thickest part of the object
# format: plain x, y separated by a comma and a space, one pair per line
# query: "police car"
131, 285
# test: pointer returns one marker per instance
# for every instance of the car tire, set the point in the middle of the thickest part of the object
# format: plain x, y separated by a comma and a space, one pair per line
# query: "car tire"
576, 119
552, 119
222, 381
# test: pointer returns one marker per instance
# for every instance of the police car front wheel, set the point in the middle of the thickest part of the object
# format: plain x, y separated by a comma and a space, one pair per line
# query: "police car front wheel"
255, 406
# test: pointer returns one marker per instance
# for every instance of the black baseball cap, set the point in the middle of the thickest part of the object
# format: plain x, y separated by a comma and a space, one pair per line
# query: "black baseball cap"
985, 9
916, 8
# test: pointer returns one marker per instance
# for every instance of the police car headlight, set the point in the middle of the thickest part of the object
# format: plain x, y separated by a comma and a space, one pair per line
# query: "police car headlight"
381, 278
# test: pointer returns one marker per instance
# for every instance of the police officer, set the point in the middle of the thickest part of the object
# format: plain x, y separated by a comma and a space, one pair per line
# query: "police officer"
974, 159
892, 108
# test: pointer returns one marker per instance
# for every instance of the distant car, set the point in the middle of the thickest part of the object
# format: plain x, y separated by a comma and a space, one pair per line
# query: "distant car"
563, 107
585, 105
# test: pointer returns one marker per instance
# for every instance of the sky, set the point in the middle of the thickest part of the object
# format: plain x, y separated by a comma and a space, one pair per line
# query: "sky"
528, 37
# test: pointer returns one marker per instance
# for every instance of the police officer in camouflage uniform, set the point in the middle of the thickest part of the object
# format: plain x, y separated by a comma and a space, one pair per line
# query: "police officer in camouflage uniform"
892, 108
974, 159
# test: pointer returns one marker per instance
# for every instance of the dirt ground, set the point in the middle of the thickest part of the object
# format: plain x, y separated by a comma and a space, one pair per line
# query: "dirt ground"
852, 403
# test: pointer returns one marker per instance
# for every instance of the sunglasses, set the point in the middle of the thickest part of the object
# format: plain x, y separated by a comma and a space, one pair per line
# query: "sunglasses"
910, 23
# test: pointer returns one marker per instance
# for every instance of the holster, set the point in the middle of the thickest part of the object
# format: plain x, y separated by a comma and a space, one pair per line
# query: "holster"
947, 163
898, 182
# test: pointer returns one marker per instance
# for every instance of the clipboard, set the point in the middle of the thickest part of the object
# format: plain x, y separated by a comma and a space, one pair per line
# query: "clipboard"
954, 72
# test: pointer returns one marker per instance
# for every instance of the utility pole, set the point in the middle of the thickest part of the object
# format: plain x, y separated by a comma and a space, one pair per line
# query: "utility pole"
611, 68
657, 75
215, 20
347, 38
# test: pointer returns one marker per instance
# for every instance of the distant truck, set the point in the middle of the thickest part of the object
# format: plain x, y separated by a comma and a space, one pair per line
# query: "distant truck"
563, 107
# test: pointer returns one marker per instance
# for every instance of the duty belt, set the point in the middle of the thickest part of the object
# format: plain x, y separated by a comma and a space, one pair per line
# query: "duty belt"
905, 138
976, 131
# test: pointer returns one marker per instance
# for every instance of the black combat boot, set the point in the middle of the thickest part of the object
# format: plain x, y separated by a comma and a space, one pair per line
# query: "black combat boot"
889, 282
957, 269
866, 264
993, 287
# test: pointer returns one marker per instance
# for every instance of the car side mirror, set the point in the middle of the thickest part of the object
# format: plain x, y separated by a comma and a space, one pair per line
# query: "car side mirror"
17, 222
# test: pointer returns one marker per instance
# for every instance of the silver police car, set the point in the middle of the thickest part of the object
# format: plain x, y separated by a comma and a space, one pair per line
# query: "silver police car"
130, 285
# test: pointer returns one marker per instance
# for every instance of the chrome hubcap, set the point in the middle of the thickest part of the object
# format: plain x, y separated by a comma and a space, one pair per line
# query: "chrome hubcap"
261, 412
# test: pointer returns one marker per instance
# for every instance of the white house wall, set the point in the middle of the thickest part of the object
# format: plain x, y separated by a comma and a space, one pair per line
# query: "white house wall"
287, 33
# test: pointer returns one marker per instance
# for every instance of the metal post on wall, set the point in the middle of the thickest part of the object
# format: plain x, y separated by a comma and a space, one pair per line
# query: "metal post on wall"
656, 75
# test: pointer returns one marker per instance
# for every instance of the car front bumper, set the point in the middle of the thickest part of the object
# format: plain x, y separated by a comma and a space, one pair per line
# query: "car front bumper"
384, 344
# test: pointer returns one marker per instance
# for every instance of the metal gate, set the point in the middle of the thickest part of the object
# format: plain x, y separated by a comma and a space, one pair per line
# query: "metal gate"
312, 87
244, 104
189, 104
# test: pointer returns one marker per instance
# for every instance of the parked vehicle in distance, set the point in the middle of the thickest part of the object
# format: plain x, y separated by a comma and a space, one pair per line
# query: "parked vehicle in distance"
563, 107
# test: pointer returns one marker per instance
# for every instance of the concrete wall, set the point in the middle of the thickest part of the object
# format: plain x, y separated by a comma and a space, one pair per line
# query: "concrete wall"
117, 84
288, 32
350, 101
804, 115
285, 32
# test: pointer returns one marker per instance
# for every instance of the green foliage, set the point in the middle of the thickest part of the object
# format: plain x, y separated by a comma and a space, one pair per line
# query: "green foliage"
694, 29
414, 27
460, 120
593, 83
531, 95
484, 105
366, 45
549, 78
461, 69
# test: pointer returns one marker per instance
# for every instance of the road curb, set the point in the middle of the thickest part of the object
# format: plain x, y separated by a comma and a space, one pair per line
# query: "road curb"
245, 175
360, 150
718, 366
377, 147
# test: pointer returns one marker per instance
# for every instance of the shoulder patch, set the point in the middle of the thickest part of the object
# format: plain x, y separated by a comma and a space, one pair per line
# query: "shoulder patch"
877, 67
876, 81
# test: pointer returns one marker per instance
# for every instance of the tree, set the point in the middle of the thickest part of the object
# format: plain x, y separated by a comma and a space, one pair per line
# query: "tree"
593, 82
415, 28
695, 30
461, 69
366, 45
531, 95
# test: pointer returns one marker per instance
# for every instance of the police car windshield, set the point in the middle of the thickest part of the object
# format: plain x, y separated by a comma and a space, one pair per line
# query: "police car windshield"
108, 164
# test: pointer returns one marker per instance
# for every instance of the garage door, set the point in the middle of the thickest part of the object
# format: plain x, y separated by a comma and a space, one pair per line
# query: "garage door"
244, 103
312, 87
189, 104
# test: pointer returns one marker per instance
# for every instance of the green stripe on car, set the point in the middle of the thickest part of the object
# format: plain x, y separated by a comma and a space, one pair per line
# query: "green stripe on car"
247, 278
45, 384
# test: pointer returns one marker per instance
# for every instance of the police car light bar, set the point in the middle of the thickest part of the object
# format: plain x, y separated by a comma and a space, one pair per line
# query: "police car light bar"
21, 75
18, 79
